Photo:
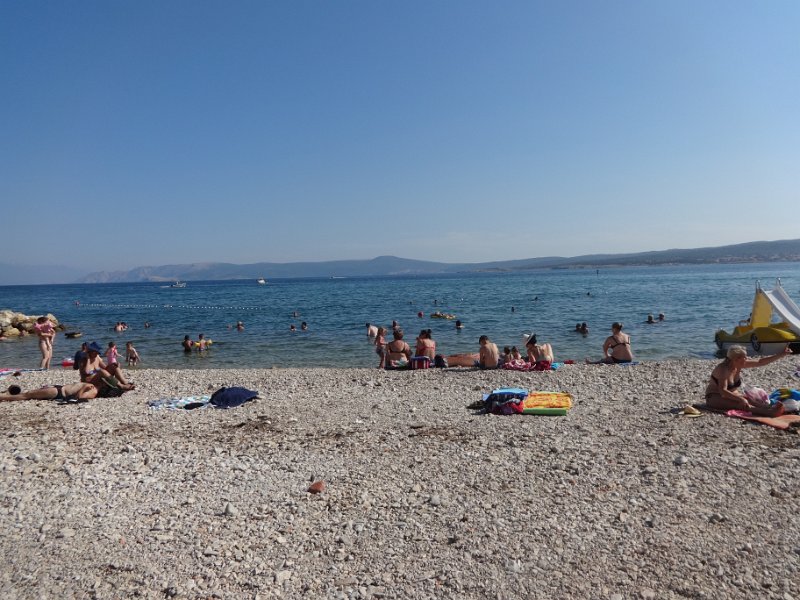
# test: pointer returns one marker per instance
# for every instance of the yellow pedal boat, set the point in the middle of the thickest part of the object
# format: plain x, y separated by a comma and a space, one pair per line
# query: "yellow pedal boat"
760, 333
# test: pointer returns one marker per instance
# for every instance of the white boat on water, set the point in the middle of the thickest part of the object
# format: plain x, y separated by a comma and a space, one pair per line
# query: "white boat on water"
261, 281
178, 284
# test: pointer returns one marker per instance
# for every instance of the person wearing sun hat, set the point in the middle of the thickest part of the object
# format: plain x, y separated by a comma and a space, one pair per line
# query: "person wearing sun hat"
94, 370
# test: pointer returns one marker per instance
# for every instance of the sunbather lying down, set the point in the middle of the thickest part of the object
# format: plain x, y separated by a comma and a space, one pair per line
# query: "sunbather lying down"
71, 392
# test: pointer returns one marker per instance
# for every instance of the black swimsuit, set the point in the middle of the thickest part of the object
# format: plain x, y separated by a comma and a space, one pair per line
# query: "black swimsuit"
619, 343
60, 394
735, 385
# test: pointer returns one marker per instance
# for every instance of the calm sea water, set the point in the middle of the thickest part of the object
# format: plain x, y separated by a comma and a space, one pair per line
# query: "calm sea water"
696, 300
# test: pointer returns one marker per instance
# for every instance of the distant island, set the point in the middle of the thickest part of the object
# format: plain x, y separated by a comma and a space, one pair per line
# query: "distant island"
751, 252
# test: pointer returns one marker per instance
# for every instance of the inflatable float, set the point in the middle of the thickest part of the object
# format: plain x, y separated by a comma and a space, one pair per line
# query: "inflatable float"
763, 333
441, 315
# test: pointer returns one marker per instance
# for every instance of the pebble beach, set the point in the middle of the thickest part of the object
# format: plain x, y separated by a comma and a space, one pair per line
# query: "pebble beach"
416, 495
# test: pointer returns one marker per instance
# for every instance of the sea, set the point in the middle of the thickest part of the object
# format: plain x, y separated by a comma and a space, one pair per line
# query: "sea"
696, 300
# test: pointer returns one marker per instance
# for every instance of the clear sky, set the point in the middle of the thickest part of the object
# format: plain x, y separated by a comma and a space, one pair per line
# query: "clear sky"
188, 131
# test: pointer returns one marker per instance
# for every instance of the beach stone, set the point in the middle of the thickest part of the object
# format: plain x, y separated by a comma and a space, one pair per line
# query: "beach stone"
317, 487
282, 576
230, 510
381, 529
716, 518
681, 460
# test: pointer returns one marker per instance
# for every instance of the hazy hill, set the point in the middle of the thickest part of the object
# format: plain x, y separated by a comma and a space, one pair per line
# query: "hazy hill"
782, 250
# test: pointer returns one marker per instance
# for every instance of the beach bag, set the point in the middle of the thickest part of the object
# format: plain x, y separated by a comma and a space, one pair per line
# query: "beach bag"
756, 396
439, 361
505, 402
420, 362
231, 397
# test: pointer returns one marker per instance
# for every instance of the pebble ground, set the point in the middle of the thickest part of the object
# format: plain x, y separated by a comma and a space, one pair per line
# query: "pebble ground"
422, 498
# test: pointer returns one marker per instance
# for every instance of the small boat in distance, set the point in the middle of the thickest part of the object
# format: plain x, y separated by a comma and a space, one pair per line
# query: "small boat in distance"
178, 284
261, 281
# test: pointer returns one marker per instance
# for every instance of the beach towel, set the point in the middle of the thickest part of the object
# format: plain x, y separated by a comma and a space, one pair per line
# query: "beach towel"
521, 365
7, 372
706, 408
781, 422
548, 400
231, 397
186, 403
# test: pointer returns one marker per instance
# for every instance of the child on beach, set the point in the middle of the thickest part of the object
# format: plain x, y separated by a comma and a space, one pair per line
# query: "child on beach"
380, 346
131, 355
506, 357
111, 353
46, 332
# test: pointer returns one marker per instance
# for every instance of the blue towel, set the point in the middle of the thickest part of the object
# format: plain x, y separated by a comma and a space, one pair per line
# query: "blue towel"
232, 397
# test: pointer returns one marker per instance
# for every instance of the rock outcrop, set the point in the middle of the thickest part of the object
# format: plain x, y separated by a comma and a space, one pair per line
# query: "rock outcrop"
16, 324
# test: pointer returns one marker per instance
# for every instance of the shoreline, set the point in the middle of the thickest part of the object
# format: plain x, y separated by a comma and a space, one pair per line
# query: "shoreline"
424, 498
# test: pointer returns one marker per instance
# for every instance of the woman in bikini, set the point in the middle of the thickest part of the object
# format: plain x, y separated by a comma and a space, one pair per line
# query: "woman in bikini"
398, 352
616, 348
539, 353
724, 389
94, 370
72, 392
425, 345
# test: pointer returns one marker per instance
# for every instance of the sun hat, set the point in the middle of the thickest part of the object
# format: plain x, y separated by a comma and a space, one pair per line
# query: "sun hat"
94, 347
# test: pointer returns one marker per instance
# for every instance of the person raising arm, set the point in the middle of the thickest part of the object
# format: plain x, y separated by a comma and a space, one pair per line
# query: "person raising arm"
725, 391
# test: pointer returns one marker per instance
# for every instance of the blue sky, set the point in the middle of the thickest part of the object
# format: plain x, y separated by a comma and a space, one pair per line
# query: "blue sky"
172, 132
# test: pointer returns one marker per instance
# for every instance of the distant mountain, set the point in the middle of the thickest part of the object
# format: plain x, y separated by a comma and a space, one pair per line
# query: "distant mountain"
782, 250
